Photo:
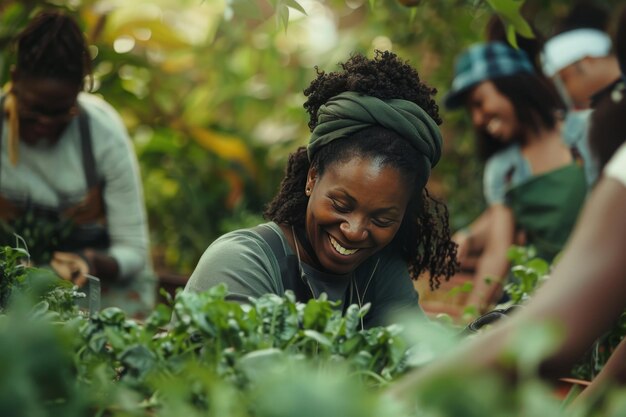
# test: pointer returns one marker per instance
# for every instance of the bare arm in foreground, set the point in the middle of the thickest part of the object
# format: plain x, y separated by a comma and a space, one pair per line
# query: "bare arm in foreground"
586, 293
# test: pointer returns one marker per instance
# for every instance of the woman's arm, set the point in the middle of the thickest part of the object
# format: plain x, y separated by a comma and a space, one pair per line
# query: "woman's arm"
117, 165
585, 294
493, 263
472, 239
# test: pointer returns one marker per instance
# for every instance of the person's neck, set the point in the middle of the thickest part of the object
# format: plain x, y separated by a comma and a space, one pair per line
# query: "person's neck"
546, 151
544, 135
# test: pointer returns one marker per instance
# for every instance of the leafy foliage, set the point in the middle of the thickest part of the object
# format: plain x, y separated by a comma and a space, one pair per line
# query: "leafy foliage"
43, 233
11, 272
528, 273
112, 365
273, 358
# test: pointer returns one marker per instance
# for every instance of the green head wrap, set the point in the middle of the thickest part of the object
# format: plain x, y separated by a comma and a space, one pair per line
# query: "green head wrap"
349, 112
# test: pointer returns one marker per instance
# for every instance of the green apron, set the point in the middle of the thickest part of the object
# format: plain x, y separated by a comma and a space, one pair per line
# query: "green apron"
546, 207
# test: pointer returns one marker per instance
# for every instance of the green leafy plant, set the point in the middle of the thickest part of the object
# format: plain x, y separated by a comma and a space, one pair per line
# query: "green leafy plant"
18, 280
204, 355
42, 231
527, 273
11, 272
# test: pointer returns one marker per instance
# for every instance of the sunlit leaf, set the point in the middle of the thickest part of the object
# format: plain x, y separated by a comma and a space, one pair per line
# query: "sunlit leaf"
294, 5
511, 35
282, 16
226, 146
509, 11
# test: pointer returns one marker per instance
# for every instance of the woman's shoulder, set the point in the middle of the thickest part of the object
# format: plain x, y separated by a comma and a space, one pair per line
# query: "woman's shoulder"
243, 260
103, 118
505, 157
504, 162
502, 170
252, 238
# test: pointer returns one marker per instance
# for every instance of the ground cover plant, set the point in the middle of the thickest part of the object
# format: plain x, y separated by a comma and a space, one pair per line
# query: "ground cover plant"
528, 272
202, 355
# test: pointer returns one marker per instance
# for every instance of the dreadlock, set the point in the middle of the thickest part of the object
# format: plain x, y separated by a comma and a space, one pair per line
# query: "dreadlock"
424, 236
52, 45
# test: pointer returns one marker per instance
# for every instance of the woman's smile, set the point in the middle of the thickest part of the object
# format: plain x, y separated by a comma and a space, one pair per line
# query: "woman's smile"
340, 249
492, 112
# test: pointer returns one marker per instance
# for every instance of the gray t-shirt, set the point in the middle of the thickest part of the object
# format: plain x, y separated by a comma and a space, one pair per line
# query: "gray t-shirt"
245, 262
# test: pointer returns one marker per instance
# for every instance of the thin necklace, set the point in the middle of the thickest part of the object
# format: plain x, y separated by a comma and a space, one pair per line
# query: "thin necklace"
352, 282
367, 285
302, 275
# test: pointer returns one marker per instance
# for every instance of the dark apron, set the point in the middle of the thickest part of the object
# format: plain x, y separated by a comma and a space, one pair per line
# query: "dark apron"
72, 227
290, 270
546, 207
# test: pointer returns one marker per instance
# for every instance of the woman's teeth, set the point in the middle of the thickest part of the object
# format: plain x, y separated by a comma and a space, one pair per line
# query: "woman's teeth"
494, 126
340, 248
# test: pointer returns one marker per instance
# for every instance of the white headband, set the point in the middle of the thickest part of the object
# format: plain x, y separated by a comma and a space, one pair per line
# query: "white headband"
572, 46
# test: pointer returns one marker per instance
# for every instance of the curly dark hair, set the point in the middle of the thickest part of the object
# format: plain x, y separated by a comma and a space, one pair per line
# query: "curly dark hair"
424, 235
52, 45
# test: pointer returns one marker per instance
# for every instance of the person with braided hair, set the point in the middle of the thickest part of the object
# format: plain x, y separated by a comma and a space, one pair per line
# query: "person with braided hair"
69, 178
352, 218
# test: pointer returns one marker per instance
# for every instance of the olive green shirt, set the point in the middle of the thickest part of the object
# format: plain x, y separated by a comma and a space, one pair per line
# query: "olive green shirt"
245, 262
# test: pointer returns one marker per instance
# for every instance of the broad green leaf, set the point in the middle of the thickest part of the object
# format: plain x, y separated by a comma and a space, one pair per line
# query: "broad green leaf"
139, 360
318, 337
511, 35
294, 5
282, 16
509, 11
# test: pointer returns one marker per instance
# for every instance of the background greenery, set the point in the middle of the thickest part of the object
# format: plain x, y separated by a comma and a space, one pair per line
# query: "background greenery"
211, 92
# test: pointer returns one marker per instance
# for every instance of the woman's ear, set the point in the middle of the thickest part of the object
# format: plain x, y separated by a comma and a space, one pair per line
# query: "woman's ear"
311, 178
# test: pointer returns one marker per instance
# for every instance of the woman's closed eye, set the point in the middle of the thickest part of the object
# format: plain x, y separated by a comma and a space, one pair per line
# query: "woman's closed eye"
383, 222
341, 207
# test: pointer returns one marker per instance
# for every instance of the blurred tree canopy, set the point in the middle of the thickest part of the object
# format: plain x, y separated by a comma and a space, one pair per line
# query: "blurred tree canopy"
211, 91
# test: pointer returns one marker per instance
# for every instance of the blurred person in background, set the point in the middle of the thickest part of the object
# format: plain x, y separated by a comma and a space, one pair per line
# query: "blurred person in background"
579, 57
534, 182
69, 179
580, 61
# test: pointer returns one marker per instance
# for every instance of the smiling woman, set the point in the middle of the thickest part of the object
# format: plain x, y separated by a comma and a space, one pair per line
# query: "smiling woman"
534, 180
352, 218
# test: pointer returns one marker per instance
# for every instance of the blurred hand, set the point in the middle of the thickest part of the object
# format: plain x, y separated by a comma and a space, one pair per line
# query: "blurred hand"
70, 266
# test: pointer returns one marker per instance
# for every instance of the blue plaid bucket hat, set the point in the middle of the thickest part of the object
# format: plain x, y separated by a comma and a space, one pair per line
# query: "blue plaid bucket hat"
484, 61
